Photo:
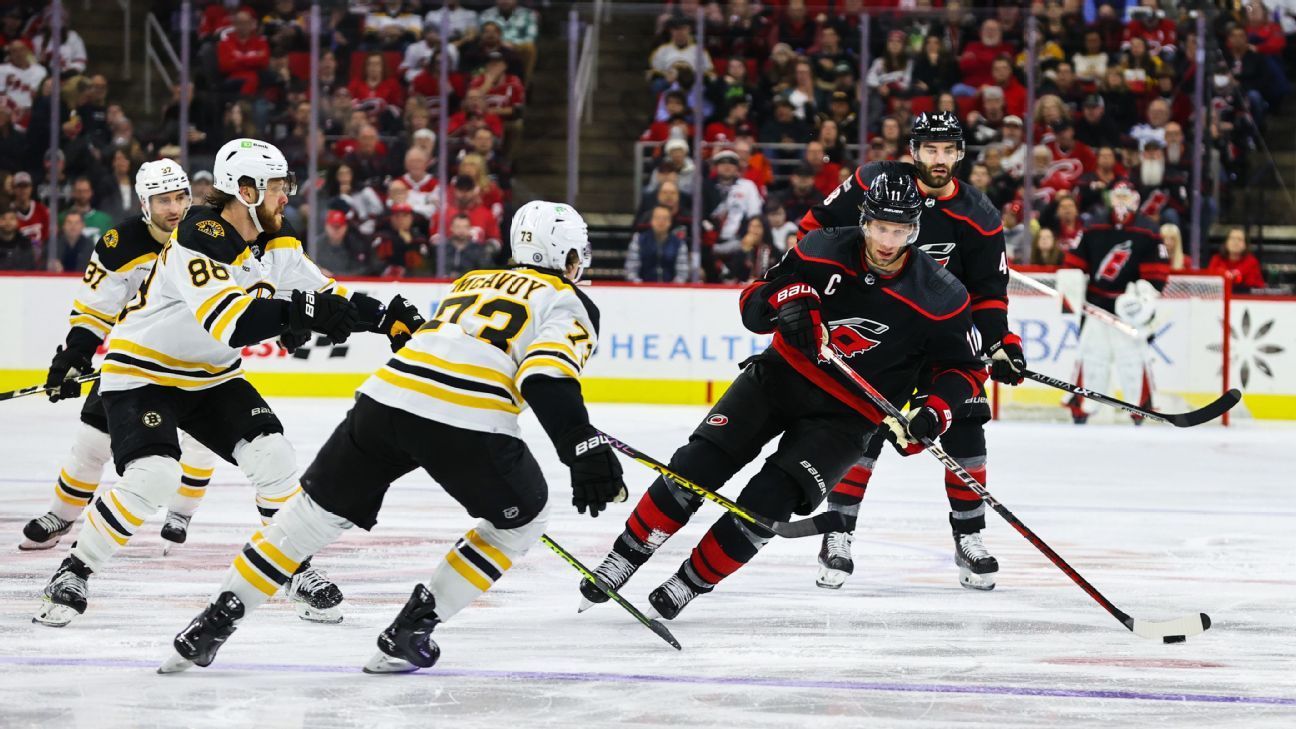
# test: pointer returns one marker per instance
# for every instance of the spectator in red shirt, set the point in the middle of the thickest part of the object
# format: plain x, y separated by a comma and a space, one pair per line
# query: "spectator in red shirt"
505, 94
1066, 146
467, 201
243, 54
33, 216
474, 165
725, 131
375, 83
827, 174
1001, 75
368, 159
976, 58
473, 115
1152, 26
1262, 32
1237, 263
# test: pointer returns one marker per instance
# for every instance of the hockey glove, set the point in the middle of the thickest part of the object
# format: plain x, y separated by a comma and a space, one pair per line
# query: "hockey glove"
595, 470
329, 314
68, 364
294, 340
370, 310
1137, 306
927, 422
401, 321
798, 320
1007, 361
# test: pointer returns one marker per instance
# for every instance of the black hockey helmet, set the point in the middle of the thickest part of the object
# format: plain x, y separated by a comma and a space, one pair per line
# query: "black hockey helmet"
893, 197
937, 126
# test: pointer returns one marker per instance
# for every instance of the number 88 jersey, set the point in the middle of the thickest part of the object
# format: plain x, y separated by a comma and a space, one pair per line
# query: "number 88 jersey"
495, 329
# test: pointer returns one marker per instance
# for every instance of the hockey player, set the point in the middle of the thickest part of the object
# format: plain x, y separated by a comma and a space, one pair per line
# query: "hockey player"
962, 230
231, 275
121, 260
894, 314
449, 403
1127, 266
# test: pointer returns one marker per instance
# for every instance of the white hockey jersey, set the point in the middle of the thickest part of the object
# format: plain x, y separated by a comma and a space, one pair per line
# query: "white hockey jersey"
121, 261
177, 330
495, 328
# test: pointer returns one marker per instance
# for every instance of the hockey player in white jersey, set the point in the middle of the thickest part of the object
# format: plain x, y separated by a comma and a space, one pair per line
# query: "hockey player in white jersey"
449, 403
121, 260
231, 275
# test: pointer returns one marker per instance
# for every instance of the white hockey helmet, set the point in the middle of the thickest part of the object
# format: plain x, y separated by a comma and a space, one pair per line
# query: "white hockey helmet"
544, 233
155, 178
254, 159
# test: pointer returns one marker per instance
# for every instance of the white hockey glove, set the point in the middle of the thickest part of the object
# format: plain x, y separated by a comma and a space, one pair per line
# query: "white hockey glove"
1137, 306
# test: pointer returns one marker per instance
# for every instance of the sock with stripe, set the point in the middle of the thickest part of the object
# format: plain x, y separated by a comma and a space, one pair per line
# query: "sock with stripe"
965, 443
271, 465
279, 550
846, 496
80, 475
193, 487
731, 543
115, 516
478, 560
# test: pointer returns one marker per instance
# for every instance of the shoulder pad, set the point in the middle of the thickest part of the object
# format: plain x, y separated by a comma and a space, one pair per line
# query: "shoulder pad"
835, 246
974, 208
125, 244
928, 288
208, 234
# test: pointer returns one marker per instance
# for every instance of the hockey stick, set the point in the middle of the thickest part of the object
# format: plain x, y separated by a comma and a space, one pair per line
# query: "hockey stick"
830, 521
653, 625
41, 389
1088, 308
1169, 631
1204, 414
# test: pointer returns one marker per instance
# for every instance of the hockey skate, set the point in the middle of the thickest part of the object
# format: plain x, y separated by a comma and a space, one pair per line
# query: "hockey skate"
977, 567
199, 641
835, 563
174, 531
614, 572
65, 595
315, 596
44, 532
406, 645
672, 596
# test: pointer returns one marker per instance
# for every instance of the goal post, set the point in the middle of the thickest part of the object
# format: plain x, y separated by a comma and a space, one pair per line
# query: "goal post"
1188, 354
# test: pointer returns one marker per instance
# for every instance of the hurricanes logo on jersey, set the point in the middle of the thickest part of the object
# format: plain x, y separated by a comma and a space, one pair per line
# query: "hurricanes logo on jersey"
941, 252
210, 227
857, 335
1115, 260
110, 238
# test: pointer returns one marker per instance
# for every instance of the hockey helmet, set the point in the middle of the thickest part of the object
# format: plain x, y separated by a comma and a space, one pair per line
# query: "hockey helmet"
259, 161
544, 233
937, 126
156, 178
894, 198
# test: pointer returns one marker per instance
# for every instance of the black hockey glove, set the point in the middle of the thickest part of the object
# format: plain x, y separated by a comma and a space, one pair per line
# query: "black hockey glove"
927, 422
294, 340
1007, 360
798, 321
68, 364
329, 314
401, 321
595, 470
370, 310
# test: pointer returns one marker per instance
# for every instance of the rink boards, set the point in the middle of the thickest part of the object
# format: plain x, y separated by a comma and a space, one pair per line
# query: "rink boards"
683, 344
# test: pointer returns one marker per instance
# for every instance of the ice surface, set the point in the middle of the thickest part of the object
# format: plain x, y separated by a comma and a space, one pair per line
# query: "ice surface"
1165, 522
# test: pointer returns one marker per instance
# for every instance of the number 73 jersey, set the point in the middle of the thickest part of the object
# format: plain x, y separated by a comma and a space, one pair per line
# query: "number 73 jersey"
494, 330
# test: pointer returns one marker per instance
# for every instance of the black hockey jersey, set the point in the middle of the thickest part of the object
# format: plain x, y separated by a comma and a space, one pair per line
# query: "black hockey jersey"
963, 232
896, 331
1115, 254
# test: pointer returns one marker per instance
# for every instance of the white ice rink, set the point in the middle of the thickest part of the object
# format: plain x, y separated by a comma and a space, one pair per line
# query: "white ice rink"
1165, 522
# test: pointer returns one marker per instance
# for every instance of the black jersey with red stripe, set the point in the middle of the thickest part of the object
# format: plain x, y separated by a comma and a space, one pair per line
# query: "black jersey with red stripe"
1116, 253
962, 231
896, 331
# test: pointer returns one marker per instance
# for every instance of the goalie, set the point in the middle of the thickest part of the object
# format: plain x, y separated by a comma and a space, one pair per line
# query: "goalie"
1127, 268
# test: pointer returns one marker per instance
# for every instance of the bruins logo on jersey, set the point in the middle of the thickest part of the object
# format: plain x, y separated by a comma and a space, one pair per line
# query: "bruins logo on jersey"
110, 238
210, 227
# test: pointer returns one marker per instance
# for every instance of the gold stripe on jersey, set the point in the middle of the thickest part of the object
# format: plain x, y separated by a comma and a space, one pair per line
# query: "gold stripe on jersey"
481, 373
113, 368
205, 307
129, 347
79, 307
228, 317
282, 242
542, 364
140, 261
89, 322
456, 397
561, 346
242, 257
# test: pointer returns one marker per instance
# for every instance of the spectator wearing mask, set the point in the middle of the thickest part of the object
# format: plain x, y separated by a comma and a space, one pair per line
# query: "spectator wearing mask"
659, 254
73, 246
462, 252
345, 252
1236, 262
16, 250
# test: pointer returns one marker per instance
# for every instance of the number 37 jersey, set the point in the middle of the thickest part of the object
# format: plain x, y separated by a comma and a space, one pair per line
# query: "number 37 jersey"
494, 329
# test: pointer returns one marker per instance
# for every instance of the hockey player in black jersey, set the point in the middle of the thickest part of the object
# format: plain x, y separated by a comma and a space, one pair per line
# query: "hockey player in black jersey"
1127, 266
894, 314
963, 232
122, 259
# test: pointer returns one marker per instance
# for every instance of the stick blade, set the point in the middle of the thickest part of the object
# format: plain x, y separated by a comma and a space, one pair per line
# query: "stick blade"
1208, 413
1172, 631
821, 523
665, 634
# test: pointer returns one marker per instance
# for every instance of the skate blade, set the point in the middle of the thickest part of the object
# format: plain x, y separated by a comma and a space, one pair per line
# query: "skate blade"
166, 548
328, 616
585, 604
55, 616
175, 663
30, 546
973, 581
382, 663
831, 579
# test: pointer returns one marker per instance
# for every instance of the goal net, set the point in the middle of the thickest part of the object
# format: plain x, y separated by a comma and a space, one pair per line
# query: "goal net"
1187, 353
